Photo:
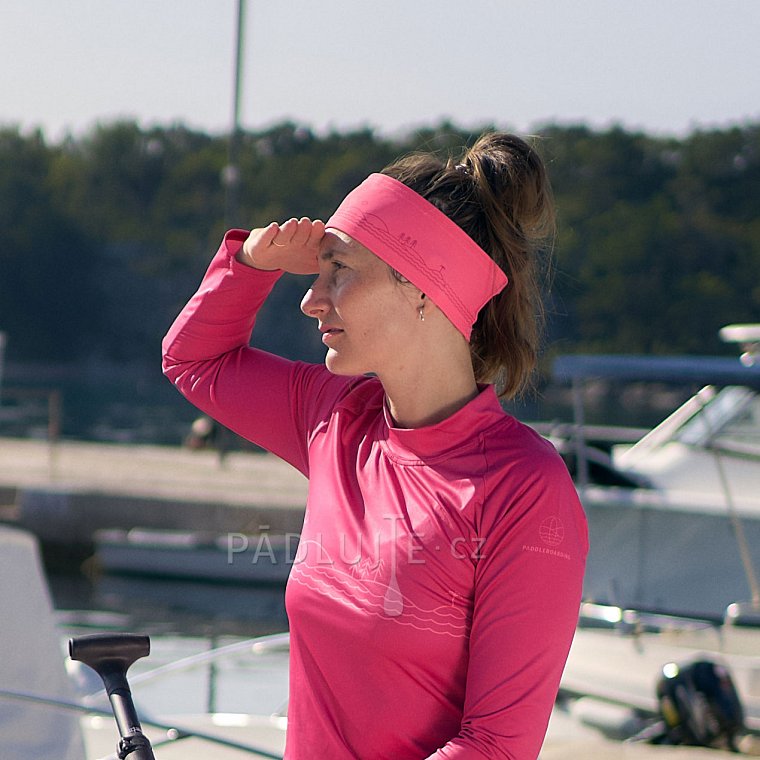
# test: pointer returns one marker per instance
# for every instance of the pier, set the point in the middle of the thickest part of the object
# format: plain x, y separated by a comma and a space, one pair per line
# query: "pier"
65, 491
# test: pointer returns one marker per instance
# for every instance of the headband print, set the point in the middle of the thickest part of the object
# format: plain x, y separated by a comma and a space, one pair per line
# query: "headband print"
422, 244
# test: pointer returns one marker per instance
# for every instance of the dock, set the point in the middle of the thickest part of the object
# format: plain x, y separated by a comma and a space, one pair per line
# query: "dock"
63, 492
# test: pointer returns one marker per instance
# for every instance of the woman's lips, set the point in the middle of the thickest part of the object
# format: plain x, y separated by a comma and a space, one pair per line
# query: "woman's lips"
330, 334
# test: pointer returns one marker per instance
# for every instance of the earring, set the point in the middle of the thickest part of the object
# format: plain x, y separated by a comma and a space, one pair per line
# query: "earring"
421, 312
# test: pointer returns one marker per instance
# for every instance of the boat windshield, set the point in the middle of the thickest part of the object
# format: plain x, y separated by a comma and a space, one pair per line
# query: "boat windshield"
730, 421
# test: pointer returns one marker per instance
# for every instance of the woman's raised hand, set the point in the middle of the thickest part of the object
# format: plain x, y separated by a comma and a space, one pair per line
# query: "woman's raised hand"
292, 247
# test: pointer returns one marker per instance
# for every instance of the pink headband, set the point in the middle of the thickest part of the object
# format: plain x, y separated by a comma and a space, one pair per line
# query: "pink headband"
422, 244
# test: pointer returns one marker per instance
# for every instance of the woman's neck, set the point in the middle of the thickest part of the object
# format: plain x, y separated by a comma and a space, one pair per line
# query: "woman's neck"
431, 394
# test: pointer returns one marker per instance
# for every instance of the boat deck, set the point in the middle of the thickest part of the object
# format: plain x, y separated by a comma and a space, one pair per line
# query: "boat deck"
566, 740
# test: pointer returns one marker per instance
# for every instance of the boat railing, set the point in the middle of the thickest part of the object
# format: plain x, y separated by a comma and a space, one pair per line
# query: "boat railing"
739, 617
633, 621
743, 615
260, 645
736, 449
604, 436
110, 655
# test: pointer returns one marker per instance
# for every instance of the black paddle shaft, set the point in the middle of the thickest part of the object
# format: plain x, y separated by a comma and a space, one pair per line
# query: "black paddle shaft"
110, 656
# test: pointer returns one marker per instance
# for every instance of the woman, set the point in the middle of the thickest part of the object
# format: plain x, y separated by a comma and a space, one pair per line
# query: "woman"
436, 588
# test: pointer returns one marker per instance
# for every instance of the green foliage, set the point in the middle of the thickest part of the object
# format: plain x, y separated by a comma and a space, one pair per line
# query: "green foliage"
48, 300
103, 238
658, 239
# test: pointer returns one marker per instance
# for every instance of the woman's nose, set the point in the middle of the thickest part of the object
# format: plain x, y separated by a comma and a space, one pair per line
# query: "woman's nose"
314, 303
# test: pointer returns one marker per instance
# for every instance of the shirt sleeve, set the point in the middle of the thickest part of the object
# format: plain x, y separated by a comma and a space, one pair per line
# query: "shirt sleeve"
528, 586
257, 394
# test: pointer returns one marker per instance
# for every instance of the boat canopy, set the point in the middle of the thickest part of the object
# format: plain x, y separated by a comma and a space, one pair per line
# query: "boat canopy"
703, 370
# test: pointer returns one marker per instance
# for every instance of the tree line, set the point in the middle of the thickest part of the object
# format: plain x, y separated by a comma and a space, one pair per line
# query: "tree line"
103, 237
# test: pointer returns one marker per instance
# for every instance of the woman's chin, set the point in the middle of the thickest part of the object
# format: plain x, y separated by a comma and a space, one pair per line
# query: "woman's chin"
338, 365
333, 362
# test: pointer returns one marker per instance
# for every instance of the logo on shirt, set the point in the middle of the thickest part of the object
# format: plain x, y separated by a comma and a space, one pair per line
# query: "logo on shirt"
552, 531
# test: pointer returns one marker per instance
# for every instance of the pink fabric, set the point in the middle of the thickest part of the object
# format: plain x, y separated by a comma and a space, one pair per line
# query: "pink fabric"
423, 244
436, 588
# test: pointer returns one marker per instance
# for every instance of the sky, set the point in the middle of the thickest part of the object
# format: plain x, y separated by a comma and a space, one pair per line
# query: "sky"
662, 66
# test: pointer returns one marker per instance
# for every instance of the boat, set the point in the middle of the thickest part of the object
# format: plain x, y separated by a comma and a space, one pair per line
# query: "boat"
678, 531
233, 557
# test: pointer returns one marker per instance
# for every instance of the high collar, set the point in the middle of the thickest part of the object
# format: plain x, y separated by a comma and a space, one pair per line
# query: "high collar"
439, 440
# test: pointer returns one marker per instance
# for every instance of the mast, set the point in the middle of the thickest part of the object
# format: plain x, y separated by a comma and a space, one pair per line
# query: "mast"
231, 175
231, 179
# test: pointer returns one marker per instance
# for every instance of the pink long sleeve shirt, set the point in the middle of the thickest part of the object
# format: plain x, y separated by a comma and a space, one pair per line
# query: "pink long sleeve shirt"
435, 592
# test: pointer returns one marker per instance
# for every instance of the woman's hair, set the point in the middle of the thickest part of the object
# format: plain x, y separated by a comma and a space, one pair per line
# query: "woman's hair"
498, 192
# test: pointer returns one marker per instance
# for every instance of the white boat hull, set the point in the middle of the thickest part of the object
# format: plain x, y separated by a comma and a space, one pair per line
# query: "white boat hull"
651, 550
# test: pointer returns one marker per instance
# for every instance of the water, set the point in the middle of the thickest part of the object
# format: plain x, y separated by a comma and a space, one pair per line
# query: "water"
183, 618
160, 606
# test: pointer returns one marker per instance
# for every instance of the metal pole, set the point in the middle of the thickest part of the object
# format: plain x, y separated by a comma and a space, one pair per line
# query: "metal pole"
2, 358
212, 674
238, 63
231, 175
581, 457
741, 539
54, 430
